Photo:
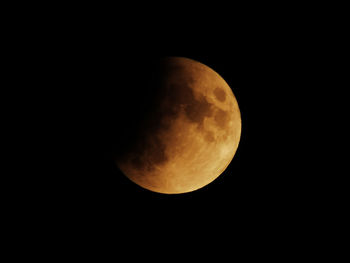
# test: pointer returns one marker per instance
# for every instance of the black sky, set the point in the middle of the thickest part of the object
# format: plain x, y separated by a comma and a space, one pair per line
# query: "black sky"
82, 75
111, 87
98, 82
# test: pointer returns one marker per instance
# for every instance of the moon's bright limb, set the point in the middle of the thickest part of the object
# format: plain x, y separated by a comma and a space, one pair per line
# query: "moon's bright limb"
192, 134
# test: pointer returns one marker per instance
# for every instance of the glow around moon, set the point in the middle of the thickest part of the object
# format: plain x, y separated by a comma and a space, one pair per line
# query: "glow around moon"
190, 136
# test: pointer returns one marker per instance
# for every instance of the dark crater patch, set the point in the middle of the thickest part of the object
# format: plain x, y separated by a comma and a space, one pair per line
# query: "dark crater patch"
198, 110
220, 94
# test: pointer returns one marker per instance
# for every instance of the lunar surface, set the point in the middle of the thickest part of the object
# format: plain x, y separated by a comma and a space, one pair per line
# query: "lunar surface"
191, 133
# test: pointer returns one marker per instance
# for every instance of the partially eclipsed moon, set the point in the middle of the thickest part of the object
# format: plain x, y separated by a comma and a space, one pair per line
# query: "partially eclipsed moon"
190, 136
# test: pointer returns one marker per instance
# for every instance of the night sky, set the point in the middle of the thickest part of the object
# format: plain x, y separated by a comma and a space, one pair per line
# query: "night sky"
102, 82
85, 74
258, 181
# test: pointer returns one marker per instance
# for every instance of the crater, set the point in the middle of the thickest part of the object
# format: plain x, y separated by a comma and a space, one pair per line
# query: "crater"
197, 110
220, 94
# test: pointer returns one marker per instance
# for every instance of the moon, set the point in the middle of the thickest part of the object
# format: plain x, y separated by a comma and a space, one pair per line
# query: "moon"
190, 134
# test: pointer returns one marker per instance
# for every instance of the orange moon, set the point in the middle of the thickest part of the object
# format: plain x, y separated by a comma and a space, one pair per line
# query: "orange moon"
191, 134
